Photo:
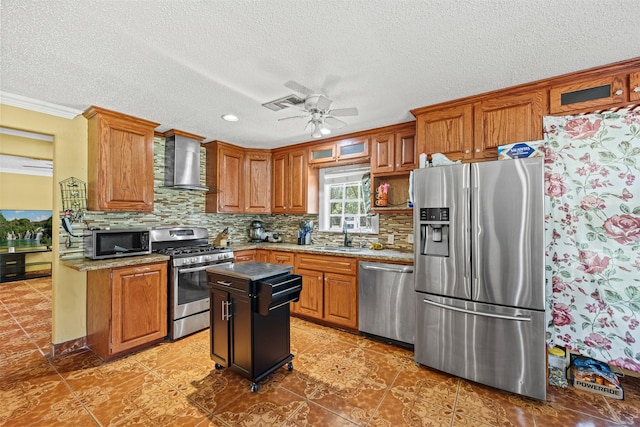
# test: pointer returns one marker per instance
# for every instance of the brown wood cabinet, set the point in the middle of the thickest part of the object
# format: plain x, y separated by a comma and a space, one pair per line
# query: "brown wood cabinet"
239, 180
263, 255
294, 185
329, 289
257, 181
126, 308
225, 173
281, 257
245, 255
344, 150
588, 95
393, 151
120, 161
474, 131
505, 120
448, 131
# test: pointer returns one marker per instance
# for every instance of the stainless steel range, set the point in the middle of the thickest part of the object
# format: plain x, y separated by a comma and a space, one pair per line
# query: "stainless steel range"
188, 292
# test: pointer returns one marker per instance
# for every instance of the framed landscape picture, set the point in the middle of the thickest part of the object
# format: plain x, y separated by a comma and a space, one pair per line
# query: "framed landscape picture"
25, 228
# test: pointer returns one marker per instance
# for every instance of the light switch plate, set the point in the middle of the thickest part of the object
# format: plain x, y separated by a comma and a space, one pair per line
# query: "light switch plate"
390, 239
409, 238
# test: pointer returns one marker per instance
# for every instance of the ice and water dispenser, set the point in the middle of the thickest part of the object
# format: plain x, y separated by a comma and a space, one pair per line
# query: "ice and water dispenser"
434, 231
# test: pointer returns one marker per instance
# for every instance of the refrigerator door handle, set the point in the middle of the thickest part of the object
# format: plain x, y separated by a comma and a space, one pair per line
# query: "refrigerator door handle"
478, 313
475, 221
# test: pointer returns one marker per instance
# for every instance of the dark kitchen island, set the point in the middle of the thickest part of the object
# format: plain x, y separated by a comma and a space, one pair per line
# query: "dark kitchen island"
250, 325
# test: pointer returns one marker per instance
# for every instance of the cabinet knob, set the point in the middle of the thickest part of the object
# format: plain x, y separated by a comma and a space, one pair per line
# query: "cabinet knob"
636, 89
619, 92
466, 151
477, 150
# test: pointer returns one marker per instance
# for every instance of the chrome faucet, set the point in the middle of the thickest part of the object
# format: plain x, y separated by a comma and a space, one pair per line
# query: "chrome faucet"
347, 240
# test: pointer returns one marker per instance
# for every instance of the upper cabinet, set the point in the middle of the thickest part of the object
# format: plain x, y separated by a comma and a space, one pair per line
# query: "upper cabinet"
120, 161
471, 129
340, 150
448, 131
294, 184
394, 150
506, 120
588, 94
239, 180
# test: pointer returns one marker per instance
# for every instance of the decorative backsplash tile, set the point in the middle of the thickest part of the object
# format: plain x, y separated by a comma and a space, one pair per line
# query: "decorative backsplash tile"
186, 208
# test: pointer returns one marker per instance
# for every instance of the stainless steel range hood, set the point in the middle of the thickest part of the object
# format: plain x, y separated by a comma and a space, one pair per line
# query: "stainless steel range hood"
182, 161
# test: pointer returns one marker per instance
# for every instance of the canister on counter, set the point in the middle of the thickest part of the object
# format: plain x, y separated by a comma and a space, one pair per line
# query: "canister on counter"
557, 367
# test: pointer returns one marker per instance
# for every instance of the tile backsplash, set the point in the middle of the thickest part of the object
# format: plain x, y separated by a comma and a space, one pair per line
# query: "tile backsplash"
184, 207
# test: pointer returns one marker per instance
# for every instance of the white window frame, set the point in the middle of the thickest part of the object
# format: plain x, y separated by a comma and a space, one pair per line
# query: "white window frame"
341, 175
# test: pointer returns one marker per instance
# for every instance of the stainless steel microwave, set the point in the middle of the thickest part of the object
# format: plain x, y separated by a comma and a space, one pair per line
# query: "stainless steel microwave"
115, 243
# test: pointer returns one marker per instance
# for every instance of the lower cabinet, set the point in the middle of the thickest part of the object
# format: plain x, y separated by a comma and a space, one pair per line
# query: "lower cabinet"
245, 255
329, 289
126, 308
263, 255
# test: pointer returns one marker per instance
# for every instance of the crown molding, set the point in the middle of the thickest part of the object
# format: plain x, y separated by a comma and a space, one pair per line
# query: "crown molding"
37, 105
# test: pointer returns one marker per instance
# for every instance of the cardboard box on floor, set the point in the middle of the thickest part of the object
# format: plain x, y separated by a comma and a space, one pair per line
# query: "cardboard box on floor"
595, 377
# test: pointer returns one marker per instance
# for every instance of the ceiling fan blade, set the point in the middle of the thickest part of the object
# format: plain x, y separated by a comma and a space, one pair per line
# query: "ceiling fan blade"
323, 103
332, 121
298, 87
353, 111
292, 117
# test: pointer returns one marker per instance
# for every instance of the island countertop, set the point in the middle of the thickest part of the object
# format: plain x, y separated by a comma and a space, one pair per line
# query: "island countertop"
249, 270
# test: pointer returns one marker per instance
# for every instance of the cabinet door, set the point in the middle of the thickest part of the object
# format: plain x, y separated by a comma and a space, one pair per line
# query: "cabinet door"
448, 131
298, 173
139, 306
120, 162
634, 86
352, 148
262, 255
220, 344
240, 311
507, 120
230, 180
279, 178
340, 300
405, 150
322, 153
244, 256
257, 182
587, 95
311, 301
382, 153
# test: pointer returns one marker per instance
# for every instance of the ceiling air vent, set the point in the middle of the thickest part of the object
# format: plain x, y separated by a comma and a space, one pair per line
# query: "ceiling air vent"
285, 102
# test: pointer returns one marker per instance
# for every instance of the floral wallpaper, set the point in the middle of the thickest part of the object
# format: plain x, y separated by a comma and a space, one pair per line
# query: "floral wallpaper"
592, 187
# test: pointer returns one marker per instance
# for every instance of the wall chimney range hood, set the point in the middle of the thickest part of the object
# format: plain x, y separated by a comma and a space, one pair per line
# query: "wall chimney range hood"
182, 161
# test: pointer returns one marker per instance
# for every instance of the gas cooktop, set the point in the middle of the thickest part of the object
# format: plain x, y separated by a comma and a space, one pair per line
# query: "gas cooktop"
193, 250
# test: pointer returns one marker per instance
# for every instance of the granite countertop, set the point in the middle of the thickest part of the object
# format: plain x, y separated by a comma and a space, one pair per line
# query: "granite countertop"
352, 252
249, 270
86, 264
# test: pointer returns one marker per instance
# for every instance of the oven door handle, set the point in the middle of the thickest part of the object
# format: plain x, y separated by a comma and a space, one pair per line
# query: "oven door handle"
192, 269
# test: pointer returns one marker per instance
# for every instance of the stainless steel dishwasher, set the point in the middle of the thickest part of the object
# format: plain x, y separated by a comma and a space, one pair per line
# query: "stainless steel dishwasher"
386, 301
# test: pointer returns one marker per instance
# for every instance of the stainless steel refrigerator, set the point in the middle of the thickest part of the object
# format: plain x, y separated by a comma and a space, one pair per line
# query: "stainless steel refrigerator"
479, 273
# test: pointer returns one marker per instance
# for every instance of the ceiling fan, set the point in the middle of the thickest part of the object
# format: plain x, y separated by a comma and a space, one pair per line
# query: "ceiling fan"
317, 107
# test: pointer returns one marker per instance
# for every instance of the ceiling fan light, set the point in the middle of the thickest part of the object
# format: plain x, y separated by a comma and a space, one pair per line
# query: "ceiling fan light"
325, 131
317, 133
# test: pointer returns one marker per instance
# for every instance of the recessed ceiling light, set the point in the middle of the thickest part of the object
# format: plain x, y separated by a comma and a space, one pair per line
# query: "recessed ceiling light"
230, 118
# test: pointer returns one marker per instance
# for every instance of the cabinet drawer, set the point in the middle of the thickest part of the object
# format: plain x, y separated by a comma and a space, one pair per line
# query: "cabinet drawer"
333, 264
284, 258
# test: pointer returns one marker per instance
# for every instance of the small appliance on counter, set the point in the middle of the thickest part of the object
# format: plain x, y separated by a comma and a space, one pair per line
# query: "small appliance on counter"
257, 233
116, 243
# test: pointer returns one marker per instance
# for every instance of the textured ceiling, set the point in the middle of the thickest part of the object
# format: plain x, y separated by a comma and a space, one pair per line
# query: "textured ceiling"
185, 63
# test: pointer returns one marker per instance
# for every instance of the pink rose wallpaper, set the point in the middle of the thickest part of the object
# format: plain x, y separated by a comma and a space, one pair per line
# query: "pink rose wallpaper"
592, 216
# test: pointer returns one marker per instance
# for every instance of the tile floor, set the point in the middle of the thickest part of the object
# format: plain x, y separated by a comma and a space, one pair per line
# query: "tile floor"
339, 379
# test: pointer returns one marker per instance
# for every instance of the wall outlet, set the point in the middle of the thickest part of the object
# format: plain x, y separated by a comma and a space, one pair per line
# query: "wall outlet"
410, 238
390, 239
